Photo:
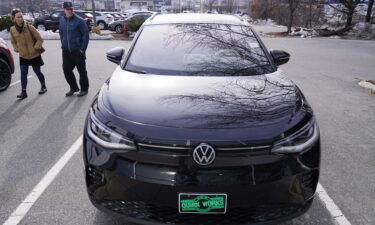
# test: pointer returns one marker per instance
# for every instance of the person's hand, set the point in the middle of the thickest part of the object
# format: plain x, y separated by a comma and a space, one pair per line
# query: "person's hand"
83, 53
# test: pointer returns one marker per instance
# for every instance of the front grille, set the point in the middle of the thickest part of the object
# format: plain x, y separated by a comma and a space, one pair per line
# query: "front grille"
169, 215
164, 149
248, 150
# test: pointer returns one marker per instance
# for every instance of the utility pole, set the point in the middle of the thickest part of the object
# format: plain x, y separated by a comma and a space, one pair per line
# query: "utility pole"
93, 11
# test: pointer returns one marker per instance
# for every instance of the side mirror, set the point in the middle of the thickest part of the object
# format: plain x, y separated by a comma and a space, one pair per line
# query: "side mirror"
280, 57
115, 54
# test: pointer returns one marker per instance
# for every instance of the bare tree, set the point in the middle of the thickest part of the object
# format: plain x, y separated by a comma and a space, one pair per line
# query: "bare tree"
260, 9
5, 8
307, 13
211, 4
293, 5
369, 11
309, 21
348, 9
32, 5
231, 4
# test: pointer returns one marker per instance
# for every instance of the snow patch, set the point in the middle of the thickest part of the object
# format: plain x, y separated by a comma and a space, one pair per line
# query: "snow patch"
304, 33
4, 35
369, 86
267, 22
363, 30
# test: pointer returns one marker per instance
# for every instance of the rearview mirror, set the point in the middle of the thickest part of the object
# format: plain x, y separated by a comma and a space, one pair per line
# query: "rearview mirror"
115, 54
280, 57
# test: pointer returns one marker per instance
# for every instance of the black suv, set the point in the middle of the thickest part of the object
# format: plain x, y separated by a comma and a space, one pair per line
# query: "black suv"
51, 22
198, 125
6, 65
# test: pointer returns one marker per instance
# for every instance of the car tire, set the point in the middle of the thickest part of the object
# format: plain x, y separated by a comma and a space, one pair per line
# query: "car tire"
41, 26
102, 25
119, 29
5, 75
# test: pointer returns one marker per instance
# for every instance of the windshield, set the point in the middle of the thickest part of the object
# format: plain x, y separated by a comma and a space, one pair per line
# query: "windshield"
198, 49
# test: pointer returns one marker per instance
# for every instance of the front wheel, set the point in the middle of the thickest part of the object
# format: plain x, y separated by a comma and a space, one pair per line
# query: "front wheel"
5, 75
101, 25
119, 29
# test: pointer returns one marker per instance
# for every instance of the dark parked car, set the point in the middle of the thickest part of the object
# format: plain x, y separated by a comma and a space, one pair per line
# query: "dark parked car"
119, 25
6, 65
51, 22
197, 125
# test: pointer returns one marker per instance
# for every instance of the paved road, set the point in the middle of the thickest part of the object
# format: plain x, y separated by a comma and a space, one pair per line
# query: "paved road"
36, 132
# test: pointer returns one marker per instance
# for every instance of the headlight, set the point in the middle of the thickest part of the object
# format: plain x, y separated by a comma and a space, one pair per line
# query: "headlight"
299, 141
107, 137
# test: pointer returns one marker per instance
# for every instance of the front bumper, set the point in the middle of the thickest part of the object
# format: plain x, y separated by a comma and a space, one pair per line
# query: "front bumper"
144, 192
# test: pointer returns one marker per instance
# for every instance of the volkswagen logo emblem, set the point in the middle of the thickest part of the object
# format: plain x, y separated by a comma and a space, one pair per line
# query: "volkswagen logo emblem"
204, 154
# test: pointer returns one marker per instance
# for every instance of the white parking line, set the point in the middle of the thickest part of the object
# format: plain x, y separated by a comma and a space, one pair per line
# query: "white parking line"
332, 208
12, 84
21, 211
38, 190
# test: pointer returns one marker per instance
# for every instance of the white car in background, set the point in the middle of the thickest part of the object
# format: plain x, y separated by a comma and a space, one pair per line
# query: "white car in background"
103, 19
116, 15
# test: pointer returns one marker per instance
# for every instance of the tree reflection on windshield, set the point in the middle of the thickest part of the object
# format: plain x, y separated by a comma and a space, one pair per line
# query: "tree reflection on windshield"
199, 49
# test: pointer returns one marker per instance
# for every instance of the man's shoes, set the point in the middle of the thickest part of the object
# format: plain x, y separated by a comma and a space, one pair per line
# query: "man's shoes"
23, 95
71, 92
82, 93
43, 90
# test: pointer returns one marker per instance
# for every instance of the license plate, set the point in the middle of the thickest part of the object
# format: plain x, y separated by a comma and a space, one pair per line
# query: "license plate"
202, 203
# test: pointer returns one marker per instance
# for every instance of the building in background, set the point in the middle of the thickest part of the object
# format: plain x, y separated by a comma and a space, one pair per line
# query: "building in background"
136, 4
162, 5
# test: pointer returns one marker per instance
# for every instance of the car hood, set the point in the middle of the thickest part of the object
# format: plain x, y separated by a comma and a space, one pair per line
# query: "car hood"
42, 18
201, 101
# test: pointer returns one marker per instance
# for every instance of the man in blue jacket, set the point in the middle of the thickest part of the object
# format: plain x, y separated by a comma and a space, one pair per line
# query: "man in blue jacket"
74, 36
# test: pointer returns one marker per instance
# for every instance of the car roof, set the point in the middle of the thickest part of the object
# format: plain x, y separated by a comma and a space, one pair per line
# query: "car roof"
197, 18
143, 12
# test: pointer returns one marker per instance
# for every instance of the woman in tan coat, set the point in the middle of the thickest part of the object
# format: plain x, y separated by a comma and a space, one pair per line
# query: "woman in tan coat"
27, 41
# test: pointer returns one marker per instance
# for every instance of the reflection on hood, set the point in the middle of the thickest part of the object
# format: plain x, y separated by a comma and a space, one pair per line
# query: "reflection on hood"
241, 102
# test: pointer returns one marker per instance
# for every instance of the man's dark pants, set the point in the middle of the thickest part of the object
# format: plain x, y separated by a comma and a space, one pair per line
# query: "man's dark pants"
70, 61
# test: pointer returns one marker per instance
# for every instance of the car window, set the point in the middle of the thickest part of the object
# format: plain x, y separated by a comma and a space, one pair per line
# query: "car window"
198, 49
137, 17
56, 14
146, 16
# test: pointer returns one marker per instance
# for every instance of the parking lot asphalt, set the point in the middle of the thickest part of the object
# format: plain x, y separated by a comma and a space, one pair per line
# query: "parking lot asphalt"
36, 132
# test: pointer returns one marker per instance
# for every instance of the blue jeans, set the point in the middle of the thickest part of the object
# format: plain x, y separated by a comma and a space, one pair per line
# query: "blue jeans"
24, 73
